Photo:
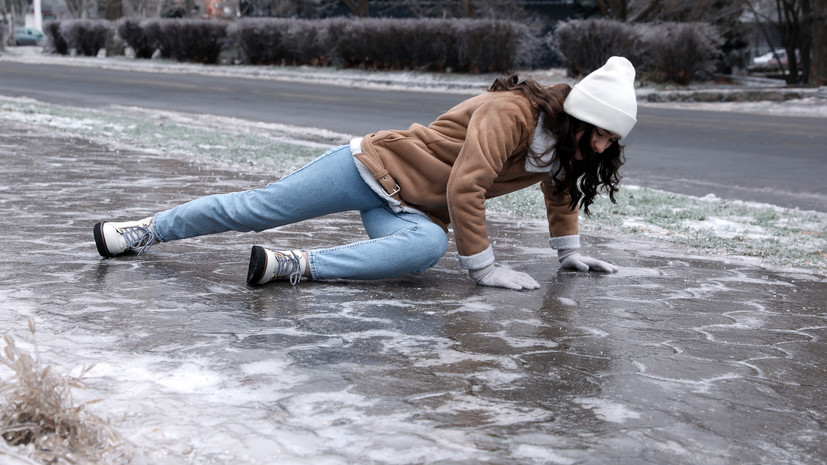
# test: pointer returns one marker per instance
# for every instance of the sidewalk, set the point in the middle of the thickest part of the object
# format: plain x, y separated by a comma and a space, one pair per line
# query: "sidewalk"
676, 359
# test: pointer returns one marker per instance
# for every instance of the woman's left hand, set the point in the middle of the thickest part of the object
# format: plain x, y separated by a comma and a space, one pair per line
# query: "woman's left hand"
569, 258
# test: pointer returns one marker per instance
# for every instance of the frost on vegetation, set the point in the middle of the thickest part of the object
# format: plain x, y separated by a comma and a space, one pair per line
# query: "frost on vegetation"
207, 142
780, 236
40, 420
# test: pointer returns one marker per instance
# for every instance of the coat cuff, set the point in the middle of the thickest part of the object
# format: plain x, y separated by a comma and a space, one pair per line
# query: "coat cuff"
565, 242
477, 261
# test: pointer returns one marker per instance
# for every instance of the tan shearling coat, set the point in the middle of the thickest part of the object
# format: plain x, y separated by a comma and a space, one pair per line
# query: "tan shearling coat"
475, 151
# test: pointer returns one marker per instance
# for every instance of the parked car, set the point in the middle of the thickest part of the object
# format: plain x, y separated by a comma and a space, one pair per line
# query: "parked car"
27, 36
770, 61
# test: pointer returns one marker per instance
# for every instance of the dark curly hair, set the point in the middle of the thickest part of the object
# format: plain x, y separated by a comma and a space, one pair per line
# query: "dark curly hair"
583, 179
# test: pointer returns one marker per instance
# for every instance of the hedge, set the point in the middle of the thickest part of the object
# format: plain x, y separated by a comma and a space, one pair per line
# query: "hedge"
461, 45
676, 52
83, 36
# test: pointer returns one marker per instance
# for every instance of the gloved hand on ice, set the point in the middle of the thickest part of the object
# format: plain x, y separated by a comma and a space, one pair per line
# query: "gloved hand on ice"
569, 258
497, 276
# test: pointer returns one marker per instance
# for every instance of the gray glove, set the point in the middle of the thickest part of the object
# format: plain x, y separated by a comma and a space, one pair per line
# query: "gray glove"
497, 276
569, 258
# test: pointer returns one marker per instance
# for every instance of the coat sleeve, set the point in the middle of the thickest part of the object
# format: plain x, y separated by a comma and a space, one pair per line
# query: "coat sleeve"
495, 131
562, 219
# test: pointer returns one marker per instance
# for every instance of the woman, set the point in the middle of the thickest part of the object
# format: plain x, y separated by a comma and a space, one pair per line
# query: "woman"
408, 185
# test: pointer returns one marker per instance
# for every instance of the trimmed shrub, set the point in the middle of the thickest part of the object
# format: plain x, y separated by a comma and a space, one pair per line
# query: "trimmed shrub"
491, 45
268, 41
134, 34
193, 40
462, 45
676, 52
86, 36
56, 43
585, 45
377, 43
681, 52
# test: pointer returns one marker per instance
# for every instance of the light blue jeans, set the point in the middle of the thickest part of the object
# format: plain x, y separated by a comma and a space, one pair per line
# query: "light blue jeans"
400, 243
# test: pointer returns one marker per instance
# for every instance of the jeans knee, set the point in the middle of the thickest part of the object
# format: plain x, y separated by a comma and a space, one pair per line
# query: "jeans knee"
431, 245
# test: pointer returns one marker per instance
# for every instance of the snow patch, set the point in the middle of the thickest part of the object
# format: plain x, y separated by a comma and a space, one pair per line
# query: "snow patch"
607, 410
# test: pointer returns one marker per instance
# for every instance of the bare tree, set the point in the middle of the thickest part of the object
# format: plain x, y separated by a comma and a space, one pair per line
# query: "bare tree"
3, 23
80, 8
433, 9
709, 11
795, 20
114, 9
614, 9
13, 13
359, 8
818, 67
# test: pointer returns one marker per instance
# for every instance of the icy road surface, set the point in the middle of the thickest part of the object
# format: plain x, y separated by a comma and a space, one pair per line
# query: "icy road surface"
676, 359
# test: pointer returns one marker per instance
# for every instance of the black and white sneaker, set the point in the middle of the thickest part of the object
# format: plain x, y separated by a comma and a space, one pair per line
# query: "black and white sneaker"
117, 238
268, 265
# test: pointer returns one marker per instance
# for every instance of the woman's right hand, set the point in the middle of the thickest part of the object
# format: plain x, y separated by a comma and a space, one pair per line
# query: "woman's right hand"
497, 276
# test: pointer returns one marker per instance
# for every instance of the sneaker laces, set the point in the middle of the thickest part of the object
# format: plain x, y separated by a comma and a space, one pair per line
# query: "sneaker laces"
138, 237
288, 266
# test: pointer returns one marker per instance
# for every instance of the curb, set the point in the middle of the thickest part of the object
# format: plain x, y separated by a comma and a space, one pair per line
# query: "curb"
733, 95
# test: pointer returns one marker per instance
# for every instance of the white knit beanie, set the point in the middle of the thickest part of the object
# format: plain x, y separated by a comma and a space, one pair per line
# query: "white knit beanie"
606, 97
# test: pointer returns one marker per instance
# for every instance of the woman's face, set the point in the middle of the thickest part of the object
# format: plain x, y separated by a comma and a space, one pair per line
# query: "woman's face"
601, 140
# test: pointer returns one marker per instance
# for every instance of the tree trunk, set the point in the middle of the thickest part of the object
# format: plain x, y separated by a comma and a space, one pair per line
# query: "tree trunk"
818, 66
358, 7
3, 25
114, 9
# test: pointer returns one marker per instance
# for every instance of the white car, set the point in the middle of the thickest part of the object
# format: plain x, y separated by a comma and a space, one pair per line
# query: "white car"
768, 61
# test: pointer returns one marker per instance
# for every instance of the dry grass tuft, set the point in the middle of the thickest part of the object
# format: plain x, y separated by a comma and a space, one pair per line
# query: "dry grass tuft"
38, 412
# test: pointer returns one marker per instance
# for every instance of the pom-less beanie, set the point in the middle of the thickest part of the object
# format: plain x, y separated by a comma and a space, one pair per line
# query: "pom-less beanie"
606, 97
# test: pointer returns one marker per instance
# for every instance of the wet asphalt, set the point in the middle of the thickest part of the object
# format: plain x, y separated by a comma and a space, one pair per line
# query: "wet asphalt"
676, 359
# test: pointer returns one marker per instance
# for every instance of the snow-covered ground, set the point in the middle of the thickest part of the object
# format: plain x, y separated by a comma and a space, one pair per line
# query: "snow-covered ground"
763, 234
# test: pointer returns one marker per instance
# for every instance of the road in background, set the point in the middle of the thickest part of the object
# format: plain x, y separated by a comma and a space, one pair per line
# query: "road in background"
771, 159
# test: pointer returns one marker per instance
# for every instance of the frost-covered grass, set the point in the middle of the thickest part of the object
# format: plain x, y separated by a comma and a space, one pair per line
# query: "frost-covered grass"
774, 235
224, 140
778, 236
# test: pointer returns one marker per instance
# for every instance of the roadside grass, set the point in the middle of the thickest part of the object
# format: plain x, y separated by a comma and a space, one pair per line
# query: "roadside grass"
776, 236
223, 140
772, 235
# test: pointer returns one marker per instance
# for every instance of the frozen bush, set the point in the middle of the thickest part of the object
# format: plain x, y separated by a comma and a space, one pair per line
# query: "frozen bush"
55, 43
266, 41
681, 52
380, 43
192, 40
462, 45
133, 33
676, 52
585, 45
84, 36
493, 45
